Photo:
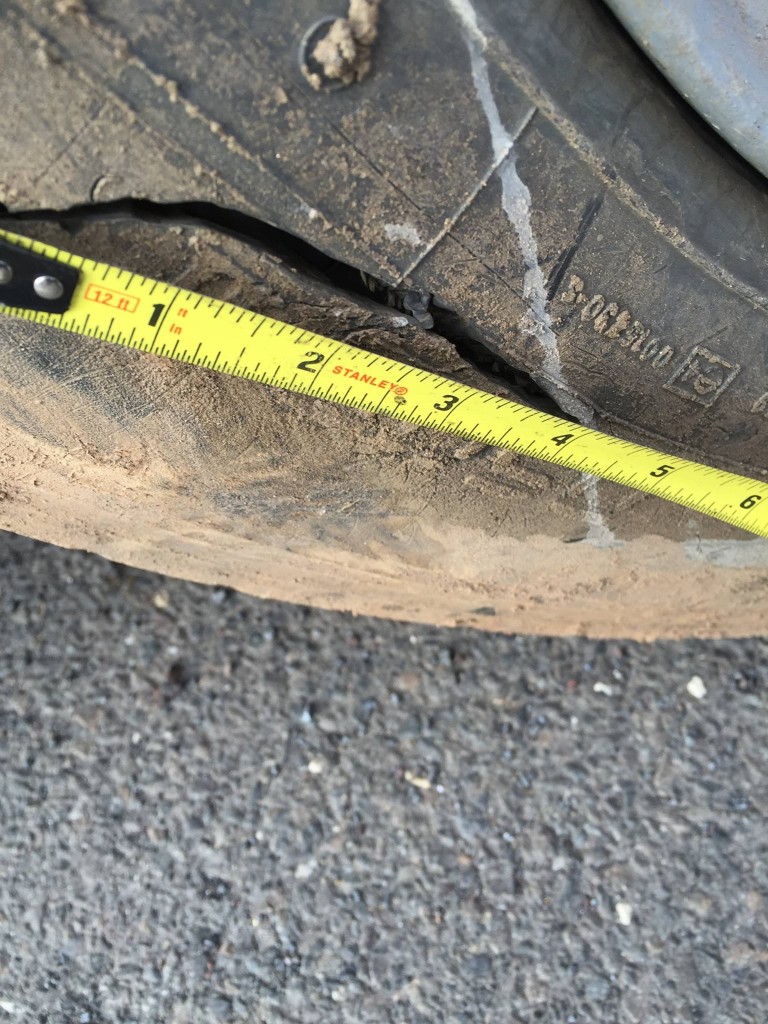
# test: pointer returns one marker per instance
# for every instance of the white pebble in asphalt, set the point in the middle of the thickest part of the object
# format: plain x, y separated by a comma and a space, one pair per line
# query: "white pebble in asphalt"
624, 913
695, 686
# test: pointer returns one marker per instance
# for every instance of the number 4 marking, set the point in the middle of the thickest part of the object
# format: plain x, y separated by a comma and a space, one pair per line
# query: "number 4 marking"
561, 439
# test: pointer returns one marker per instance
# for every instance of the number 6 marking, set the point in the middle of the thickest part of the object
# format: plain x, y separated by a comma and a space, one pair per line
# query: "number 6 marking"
751, 501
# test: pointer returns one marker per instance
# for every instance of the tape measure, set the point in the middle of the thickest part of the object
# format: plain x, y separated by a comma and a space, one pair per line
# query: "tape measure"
45, 285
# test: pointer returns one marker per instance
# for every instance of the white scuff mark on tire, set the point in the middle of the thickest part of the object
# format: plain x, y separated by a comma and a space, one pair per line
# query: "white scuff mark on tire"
515, 195
403, 233
516, 203
729, 554
309, 211
599, 534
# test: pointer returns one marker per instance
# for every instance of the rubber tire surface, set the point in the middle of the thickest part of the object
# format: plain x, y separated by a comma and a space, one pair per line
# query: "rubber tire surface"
632, 205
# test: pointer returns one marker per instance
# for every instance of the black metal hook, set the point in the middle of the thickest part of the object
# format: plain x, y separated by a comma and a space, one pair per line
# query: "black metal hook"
31, 281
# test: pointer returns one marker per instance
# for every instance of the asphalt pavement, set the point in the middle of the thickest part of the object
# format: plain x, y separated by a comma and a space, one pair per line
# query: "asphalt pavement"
216, 808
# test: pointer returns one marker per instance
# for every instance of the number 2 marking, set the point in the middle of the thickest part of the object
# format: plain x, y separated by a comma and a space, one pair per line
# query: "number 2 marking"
311, 362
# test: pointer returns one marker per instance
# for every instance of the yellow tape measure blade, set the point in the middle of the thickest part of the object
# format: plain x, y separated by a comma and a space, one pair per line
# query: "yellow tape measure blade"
128, 309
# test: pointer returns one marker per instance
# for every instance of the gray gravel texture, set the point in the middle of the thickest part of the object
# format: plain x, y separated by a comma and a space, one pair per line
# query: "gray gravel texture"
216, 808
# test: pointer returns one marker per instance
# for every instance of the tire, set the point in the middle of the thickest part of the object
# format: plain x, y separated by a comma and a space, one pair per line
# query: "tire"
572, 220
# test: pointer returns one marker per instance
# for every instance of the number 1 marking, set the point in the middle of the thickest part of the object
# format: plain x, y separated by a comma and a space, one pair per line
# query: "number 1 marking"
157, 311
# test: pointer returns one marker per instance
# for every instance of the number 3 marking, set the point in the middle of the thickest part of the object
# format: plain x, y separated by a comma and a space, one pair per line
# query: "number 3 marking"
448, 403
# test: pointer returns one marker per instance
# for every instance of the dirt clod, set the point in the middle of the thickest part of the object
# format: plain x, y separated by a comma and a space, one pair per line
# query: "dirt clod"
342, 53
69, 7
